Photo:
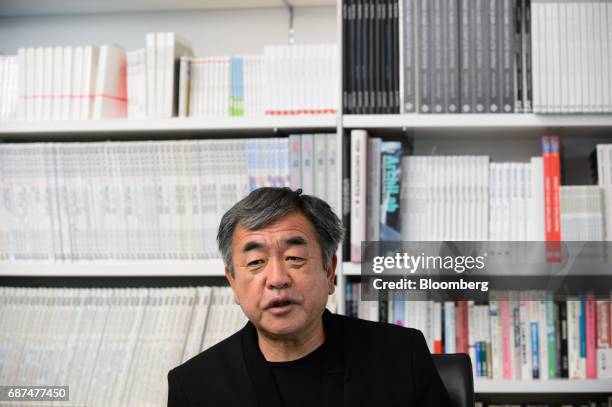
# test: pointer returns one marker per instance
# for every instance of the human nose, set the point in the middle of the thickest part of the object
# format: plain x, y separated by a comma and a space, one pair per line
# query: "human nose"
278, 277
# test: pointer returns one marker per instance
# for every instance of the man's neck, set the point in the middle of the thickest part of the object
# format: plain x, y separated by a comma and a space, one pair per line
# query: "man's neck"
284, 349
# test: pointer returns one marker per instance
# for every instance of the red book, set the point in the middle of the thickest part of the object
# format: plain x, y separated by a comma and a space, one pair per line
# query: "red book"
461, 318
551, 157
591, 332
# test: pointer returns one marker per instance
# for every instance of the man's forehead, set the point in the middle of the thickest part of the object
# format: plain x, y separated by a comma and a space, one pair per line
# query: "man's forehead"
288, 229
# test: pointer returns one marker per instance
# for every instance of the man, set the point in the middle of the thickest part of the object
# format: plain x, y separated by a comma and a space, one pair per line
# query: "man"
278, 247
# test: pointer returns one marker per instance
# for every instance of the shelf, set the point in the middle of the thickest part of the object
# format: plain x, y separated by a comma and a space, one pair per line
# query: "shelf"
543, 386
37, 8
171, 126
351, 269
438, 121
205, 268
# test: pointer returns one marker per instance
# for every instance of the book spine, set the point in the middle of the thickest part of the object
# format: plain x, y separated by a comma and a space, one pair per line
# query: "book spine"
481, 55
507, 60
409, 56
590, 337
346, 196
493, 76
527, 76
437, 60
374, 189
390, 222
466, 63
424, 41
358, 191
451, 52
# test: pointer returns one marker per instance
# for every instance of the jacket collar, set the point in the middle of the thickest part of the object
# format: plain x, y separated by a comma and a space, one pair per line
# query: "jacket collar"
261, 375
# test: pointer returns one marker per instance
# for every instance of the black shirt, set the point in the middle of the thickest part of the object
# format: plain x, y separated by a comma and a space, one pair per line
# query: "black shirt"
299, 381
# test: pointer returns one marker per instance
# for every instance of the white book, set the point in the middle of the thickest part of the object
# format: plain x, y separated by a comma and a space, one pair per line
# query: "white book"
47, 83
333, 172
110, 97
77, 84
136, 84
21, 83
536, 211
295, 161
604, 363
151, 76
183, 89
321, 175
359, 139
56, 87
66, 87
39, 76
307, 156
88, 81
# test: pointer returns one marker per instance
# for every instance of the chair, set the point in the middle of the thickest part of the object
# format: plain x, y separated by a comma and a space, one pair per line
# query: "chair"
455, 370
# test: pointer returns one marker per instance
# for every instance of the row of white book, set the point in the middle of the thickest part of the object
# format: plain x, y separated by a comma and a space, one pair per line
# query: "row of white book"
128, 200
71, 83
111, 346
471, 198
604, 180
285, 80
314, 166
8, 87
572, 56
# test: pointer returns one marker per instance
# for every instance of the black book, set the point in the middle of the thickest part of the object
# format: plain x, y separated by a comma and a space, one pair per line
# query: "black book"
365, 74
346, 196
493, 32
563, 333
395, 61
518, 57
481, 81
372, 56
466, 55
359, 51
346, 47
409, 57
437, 59
527, 84
424, 51
451, 53
507, 57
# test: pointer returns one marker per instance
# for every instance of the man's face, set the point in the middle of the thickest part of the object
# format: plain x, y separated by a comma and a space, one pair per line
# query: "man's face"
279, 280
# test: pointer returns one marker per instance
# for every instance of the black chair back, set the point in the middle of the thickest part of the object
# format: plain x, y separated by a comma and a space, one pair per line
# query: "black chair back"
455, 370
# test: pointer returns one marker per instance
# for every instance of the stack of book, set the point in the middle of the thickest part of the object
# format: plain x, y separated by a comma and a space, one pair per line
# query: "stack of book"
517, 335
71, 83
128, 200
285, 80
9, 77
572, 67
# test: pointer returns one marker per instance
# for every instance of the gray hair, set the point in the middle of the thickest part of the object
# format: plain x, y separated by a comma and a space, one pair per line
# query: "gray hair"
265, 205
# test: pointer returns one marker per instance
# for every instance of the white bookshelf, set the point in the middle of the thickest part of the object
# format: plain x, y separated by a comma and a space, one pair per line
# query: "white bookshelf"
174, 125
543, 386
54, 7
474, 121
205, 268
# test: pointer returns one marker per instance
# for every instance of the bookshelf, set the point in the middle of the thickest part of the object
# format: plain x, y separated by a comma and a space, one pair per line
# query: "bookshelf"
204, 268
58, 22
174, 126
475, 121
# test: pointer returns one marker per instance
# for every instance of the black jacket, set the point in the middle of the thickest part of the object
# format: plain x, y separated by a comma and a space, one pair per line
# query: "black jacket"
381, 365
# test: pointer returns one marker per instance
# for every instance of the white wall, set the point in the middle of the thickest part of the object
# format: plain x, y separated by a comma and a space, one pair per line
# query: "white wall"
211, 32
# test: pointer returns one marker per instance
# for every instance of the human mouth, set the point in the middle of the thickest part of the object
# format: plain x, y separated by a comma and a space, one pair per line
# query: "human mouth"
280, 305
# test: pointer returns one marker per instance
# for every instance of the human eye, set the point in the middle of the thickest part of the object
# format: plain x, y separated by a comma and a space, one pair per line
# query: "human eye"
296, 259
255, 263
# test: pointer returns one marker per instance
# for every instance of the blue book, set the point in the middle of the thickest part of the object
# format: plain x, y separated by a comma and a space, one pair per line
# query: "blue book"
390, 161
582, 327
535, 351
